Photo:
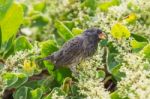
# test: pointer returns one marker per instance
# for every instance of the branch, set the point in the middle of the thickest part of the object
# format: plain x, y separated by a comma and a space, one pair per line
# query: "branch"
105, 61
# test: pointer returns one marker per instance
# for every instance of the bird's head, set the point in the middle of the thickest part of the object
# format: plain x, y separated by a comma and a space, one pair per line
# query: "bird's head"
94, 33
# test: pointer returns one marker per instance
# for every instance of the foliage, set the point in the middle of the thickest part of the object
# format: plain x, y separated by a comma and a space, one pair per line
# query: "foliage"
30, 30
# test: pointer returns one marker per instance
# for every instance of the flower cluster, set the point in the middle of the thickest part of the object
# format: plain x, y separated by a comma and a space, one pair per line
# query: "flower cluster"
136, 83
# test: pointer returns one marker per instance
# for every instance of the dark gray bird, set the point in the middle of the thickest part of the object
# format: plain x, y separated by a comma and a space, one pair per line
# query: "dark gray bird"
77, 49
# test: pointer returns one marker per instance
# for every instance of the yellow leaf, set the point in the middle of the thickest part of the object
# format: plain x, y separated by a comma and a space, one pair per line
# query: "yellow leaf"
131, 18
135, 44
119, 31
29, 66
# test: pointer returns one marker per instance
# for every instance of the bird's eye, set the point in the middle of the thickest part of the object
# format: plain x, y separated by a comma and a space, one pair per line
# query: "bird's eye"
99, 31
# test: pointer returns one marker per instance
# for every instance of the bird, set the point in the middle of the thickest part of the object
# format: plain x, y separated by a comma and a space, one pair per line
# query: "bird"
77, 49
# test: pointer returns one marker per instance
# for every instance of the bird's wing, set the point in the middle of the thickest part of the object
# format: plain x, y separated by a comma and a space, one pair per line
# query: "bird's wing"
70, 51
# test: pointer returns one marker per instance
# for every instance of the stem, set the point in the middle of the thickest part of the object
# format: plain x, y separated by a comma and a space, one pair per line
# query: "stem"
105, 61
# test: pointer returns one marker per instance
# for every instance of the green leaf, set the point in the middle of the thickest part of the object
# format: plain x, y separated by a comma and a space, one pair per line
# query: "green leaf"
104, 6
11, 22
33, 83
61, 73
8, 47
111, 60
63, 31
48, 83
22, 43
115, 95
116, 2
92, 4
112, 48
139, 38
116, 73
9, 52
133, 7
100, 74
49, 66
40, 6
137, 46
119, 31
48, 47
103, 42
36, 94
69, 24
39, 20
4, 6
10, 79
22, 93
146, 51
76, 31
22, 78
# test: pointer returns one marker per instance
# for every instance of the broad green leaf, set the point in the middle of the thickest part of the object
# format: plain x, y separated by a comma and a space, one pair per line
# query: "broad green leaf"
116, 2
103, 42
22, 78
104, 6
133, 7
112, 48
49, 66
33, 84
146, 51
111, 60
63, 31
4, 6
39, 20
119, 31
69, 24
40, 6
61, 73
48, 47
8, 47
36, 94
10, 79
92, 4
11, 22
116, 73
100, 74
9, 52
139, 38
137, 46
115, 95
76, 31
74, 89
48, 83
22, 93
22, 43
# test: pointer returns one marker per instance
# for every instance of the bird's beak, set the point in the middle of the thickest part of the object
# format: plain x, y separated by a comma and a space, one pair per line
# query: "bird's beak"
102, 36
